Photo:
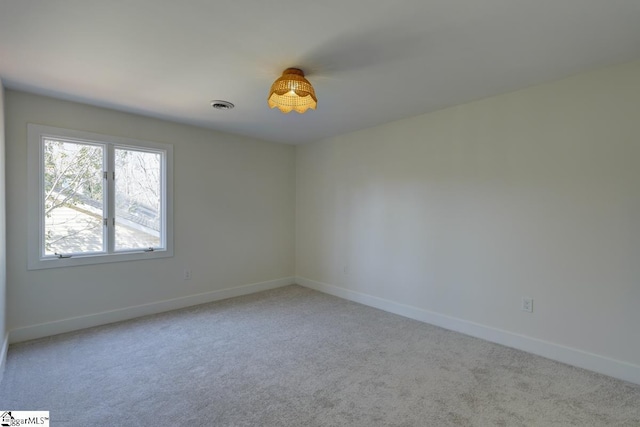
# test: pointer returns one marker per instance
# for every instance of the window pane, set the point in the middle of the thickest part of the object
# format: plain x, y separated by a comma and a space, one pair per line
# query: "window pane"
73, 197
138, 199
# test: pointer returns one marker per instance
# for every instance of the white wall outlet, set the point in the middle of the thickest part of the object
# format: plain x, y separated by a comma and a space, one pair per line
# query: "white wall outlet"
527, 304
346, 270
186, 275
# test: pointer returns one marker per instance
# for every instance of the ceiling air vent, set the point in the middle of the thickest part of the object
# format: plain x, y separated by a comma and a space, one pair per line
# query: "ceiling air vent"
222, 105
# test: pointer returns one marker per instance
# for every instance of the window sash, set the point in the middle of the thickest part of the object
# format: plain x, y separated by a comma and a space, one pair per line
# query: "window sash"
43, 238
113, 223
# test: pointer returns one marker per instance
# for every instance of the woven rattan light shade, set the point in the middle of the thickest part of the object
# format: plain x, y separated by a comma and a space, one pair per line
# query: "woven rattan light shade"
292, 92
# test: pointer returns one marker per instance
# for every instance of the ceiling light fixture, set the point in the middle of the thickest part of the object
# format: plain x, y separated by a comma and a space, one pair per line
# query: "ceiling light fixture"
292, 92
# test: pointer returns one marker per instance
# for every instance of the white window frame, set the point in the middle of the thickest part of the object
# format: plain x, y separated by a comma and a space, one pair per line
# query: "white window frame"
36, 258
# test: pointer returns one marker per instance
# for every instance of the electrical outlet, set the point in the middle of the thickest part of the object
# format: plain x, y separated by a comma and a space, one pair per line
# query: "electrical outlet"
346, 270
186, 275
527, 304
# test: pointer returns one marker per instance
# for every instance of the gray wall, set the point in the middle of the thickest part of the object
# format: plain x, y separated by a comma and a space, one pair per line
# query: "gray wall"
458, 214
234, 204
3, 253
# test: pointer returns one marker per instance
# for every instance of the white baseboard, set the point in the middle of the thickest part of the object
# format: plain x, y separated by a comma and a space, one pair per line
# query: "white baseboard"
571, 356
74, 323
3, 354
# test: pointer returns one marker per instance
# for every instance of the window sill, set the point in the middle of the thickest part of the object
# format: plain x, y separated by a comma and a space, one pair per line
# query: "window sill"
77, 260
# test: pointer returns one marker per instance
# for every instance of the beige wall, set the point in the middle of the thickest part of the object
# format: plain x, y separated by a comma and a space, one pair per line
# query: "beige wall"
464, 211
233, 217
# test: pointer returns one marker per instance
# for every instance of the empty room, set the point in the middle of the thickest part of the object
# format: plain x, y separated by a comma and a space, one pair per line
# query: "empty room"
296, 213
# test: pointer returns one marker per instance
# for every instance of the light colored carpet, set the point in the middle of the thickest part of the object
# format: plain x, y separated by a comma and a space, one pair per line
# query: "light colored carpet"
296, 357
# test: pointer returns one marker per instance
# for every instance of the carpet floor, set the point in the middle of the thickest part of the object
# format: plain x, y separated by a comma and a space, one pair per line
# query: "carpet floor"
296, 357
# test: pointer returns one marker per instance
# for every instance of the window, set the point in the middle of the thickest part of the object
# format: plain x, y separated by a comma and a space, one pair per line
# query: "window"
96, 198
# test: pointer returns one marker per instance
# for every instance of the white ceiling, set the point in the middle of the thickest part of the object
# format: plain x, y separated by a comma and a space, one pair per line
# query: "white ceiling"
370, 62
